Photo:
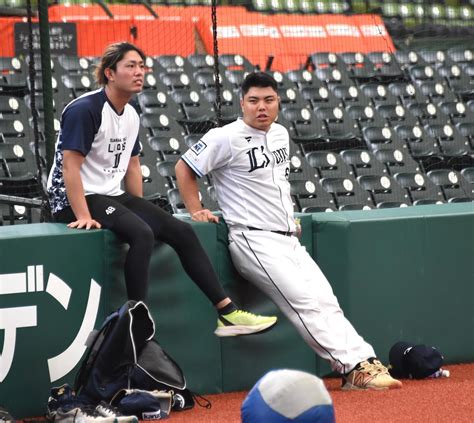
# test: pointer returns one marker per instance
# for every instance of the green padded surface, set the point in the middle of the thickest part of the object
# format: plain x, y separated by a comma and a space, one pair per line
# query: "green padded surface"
403, 274
73, 256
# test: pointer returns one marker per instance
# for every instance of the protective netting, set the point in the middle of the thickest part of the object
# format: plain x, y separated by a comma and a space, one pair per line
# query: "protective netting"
376, 95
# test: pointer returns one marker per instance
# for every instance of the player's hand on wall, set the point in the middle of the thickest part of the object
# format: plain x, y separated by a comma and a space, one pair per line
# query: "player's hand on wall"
85, 224
204, 215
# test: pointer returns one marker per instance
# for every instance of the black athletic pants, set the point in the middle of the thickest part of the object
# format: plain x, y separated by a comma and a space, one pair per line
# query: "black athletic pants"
140, 223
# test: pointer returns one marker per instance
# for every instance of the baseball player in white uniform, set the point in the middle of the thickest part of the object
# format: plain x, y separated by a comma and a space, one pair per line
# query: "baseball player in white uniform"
249, 163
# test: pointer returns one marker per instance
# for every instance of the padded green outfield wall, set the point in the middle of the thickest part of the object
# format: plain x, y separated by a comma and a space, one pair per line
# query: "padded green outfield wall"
404, 274
53, 291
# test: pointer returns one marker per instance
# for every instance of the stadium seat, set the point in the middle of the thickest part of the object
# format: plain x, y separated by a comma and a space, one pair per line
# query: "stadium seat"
406, 58
21, 186
457, 111
303, 78
379, 94
157, 102
427, 113
468, 174
385, 191
172, 63
349, 94
299, 166
178, 80
467, 130
420, 188
434, 57
153, 82
318, 96
310, 195
235, 76
359, 66
198, 112
451, 142
364, 115
436, 91
377, 137
328, 164
13, 84
12, 159
386, 68
340, 126
236, 61
347, 193
201, 61
363, 162
303, 125
161, 124
12, 65
175, 200
332, 75
155, 186
460, 55
456, 78
166, 170
419, 73
167, 147
39, 106
12, 108
77, 84
229, 104
75, 65
396, 114
325, 59
455, 188
406, 92
206, 78
13, 129
396, 160
420, 143
282, 79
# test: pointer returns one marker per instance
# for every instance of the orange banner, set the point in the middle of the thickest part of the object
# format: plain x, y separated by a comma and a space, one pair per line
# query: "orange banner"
288, 38
291, 38
7, 46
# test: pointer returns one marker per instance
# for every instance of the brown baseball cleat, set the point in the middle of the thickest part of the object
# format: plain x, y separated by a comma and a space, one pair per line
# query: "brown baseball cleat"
370, 374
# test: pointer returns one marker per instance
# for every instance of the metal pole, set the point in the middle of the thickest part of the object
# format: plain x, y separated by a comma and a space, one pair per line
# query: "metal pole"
49, 134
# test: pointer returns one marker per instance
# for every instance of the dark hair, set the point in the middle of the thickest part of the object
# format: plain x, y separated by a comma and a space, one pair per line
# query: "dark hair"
258, 79
113, 54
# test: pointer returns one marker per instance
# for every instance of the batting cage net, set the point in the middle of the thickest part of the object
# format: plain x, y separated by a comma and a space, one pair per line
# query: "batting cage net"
376, 95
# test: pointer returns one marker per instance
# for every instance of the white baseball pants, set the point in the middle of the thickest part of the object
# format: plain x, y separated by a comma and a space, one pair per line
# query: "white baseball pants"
282, 268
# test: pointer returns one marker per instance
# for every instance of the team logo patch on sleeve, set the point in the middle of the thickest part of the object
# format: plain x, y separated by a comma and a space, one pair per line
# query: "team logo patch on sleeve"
199, 147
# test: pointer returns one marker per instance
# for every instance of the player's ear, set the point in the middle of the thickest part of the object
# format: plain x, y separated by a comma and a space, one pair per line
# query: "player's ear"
279, 103
109, 74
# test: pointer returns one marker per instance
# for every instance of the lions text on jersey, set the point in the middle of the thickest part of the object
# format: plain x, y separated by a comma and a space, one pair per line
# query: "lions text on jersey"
250, 170
91, 126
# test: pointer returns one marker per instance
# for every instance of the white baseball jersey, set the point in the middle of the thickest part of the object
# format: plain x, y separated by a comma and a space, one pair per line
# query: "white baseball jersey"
90, 125
250, 170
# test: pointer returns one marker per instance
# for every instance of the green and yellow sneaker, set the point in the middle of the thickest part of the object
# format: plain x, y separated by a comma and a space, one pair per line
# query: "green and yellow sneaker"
241, 322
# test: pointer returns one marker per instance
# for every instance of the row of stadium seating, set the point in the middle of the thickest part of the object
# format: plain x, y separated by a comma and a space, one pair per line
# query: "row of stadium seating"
411, 11
375, 130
